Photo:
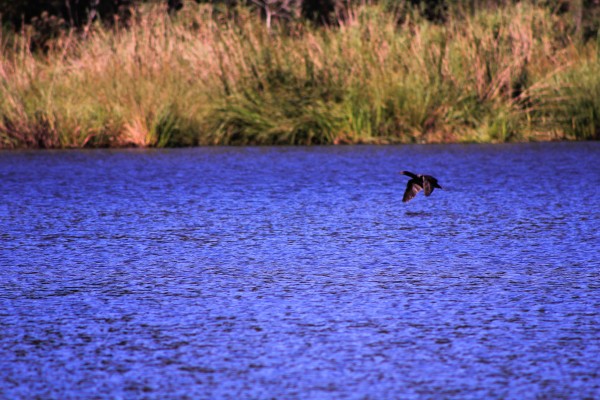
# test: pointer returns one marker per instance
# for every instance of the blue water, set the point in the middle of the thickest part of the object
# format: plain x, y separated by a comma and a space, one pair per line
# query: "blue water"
259, 273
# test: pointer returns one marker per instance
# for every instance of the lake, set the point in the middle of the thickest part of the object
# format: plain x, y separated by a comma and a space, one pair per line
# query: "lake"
297, 272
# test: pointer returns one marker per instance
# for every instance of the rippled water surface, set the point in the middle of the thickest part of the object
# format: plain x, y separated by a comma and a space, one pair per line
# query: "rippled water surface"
258, 273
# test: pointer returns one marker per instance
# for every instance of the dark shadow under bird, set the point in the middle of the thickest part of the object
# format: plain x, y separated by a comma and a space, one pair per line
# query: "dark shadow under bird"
426, 183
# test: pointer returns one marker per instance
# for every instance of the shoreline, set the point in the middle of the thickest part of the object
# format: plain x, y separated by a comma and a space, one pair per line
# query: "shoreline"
290, 146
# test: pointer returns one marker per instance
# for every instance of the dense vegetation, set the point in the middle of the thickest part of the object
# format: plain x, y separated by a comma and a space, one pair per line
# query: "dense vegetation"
372, 74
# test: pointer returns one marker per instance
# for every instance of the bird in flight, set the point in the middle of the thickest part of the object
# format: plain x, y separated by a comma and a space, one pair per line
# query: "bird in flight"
417, 183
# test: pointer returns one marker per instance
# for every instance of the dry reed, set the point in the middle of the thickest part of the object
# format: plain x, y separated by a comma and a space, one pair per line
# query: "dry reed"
197, 79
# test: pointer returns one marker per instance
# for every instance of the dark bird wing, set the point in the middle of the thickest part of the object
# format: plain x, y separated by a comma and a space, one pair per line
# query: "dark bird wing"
427, 187
412, 189
429, 183
408, 173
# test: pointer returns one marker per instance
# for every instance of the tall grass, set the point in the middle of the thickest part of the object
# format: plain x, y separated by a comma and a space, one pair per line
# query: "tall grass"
499, 75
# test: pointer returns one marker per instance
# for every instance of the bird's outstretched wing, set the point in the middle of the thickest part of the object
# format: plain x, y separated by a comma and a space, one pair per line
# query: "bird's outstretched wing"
408, 173
412, 188
427, 187
429, 184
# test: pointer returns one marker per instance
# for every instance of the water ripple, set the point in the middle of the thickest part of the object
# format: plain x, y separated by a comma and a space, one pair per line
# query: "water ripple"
299, 273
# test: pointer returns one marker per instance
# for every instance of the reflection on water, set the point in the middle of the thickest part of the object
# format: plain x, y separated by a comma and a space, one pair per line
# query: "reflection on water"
418, 214
299, 273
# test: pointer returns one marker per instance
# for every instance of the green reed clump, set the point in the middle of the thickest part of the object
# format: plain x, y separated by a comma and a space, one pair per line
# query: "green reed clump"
197, 78
574, 112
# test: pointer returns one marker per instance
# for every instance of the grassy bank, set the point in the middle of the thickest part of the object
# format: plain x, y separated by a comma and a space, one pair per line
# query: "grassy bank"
507, 74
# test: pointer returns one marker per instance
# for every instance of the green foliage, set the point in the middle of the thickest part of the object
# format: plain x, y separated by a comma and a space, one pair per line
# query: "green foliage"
198, 78
576, 108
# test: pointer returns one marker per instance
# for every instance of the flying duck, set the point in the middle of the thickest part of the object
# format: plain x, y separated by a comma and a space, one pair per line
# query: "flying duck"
418, 183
